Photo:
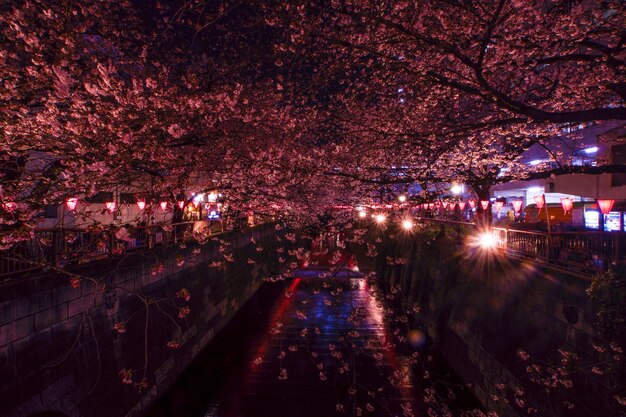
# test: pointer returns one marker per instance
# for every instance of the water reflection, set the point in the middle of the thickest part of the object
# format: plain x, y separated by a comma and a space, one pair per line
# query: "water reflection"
313, 347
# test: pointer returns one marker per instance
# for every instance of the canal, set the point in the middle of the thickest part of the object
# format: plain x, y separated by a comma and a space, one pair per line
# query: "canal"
316, 345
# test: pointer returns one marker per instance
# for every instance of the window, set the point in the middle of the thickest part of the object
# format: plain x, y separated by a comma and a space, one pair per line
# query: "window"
127, 198
618, 156
50, 212
101, 197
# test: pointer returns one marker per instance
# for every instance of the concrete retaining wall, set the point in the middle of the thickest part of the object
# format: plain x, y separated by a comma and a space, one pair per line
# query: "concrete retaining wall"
479, 310
58, 347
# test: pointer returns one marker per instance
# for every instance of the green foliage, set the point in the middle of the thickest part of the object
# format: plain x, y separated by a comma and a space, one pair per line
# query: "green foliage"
608, 295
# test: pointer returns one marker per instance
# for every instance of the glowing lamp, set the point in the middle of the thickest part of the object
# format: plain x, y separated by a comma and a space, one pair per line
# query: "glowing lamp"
461, 205
456, 189
362, 214
71, 202
484, 204
444, 205
487, 240
181, 204
141, 204
163, 205
110, 205
539, 201
606, 205
407, 224
517, 205
402, 198
380, 218
498, 205
431, 205
567, 204
472, 203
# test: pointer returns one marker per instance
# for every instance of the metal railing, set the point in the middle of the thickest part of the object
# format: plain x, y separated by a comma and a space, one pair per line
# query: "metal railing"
582, 251
586, 252
61, 246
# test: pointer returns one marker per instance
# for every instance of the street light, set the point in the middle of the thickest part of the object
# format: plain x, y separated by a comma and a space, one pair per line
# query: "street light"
456, 189
487, 240
407, 224
380, 218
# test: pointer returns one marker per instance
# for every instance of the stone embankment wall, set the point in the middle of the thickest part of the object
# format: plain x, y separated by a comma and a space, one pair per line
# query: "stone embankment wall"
60, 354
480, 308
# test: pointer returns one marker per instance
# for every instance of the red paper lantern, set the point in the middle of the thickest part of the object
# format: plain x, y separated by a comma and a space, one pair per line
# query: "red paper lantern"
444, 205
431, 205
517, 205
461, 205
71, 202
472, 203
567, 204
484, 204
163, 205
141, 204
606, 206
539, 201
498, 205
110, 206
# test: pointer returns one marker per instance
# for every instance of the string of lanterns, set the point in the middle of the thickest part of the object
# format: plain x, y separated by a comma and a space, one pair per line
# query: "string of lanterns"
72, 203
567, 204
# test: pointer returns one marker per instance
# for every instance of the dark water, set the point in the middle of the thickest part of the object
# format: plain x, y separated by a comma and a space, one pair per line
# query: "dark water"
342, 355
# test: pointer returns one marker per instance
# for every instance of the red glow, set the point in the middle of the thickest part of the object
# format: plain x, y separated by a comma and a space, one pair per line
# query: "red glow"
484, 204
110, 206
517, 205
539, 201
461, 205
141, 204
606, 206
567, 204
472, 203
498, 205
71, 203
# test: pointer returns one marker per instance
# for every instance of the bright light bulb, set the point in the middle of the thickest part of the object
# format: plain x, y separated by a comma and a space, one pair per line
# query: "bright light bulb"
362, 214
402, 198
380, 218
487, 240
456, 189
407, 224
